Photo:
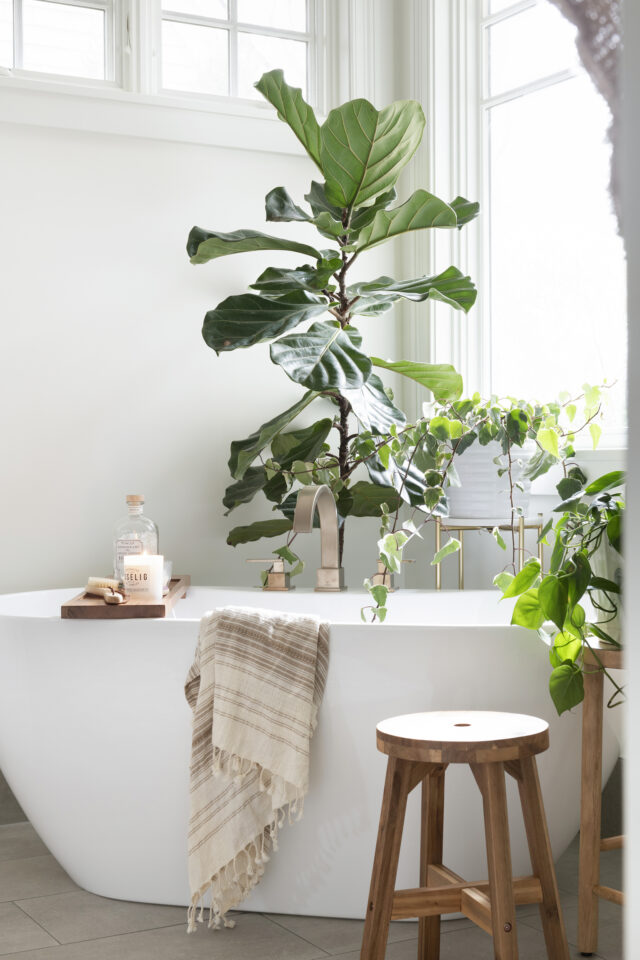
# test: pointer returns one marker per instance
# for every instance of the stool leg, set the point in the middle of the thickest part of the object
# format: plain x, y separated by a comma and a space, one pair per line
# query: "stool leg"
430, 852
542, 860
490, 777
385, 863
590, 811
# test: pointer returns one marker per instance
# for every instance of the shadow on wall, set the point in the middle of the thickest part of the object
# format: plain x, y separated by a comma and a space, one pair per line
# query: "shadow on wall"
10, 809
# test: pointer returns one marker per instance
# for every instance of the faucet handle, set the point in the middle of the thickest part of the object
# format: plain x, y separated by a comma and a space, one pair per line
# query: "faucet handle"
277, 579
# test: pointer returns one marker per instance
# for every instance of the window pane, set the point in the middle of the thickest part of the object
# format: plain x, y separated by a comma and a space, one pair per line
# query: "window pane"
558, 311
257, 54
59, 38
529, 46
6, 33
285, 14
216, 9
195, 58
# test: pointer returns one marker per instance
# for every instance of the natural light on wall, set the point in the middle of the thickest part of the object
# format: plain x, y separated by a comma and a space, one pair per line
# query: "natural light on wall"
557, 272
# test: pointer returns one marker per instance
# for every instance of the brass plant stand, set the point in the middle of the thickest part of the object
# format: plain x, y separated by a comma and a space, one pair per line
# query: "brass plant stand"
460, 526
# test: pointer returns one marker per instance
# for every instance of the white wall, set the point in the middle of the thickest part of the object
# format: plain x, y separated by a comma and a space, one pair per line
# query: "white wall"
107, 386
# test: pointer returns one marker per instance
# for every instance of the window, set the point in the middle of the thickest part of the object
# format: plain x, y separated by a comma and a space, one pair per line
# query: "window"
67, 38
222, 46
554, 310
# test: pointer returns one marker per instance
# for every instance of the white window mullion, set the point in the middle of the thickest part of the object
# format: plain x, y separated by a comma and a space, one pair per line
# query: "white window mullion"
233, 48
17, 35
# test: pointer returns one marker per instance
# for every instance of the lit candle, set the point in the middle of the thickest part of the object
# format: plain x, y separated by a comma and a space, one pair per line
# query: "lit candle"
143, 576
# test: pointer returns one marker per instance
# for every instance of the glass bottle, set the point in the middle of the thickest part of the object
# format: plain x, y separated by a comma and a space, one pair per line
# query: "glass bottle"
135, 533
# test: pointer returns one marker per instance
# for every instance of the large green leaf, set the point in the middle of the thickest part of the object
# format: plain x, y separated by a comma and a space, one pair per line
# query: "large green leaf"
363, 150
527, 611
256, 531
364, 215
280, 208
566, 686
451, 287
304, 444
605, 482
365, 499
317, 200
205, 245
276, 280
466, 210
244, 452
441, 378
553, 597
293, 109
324, 357
372, 306
524, 580
406, 479
242, 491
421, 211
372, 406
248, 318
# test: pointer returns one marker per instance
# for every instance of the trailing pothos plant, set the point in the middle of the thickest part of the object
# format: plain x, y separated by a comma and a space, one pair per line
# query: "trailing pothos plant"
421, 464
359, 152
571, 604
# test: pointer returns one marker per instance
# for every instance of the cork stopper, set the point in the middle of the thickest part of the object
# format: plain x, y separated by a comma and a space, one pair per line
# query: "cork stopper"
135, 498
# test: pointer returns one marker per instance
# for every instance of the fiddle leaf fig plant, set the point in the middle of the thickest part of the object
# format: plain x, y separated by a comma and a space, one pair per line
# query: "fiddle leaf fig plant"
307, 313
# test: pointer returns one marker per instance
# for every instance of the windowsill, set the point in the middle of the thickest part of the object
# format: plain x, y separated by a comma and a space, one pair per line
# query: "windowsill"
105, 108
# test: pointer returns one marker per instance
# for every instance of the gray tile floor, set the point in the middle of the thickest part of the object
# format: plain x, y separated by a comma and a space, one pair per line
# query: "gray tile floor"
45, 916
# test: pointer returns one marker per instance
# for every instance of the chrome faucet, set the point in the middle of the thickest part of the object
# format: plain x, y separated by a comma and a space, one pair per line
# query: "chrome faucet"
330, 576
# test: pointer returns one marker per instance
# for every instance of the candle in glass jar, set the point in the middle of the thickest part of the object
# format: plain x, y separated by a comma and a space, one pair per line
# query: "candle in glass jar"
143, 576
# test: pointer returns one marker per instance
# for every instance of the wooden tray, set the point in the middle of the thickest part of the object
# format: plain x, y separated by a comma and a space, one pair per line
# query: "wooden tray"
84, 607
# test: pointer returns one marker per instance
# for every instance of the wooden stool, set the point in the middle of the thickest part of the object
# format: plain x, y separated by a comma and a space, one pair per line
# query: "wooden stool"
589, 888
420, 746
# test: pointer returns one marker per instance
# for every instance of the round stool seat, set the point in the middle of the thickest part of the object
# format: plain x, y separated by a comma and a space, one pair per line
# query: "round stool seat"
462, 736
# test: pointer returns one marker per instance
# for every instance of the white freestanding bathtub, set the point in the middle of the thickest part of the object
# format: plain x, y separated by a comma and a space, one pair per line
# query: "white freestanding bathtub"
95, 737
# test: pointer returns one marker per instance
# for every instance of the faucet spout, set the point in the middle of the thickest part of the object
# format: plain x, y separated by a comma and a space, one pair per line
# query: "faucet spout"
330, 575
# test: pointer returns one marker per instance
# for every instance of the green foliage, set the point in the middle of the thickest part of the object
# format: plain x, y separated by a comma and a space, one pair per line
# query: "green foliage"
590, 517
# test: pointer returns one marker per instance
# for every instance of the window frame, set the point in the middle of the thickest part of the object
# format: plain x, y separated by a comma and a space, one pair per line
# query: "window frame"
108, 7
132, 104
452, 83
233, 27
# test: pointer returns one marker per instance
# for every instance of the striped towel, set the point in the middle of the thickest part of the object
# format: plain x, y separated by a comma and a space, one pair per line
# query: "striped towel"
255, 687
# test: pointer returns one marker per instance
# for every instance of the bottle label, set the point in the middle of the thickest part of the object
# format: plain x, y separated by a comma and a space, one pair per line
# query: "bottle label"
126, 548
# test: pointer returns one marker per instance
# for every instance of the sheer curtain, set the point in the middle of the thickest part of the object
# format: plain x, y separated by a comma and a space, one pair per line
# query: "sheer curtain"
599, 41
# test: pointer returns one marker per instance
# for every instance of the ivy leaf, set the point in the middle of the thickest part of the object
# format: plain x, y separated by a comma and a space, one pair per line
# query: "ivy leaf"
566, 686
527, 611
565, 647
567, 487
578, 574
441, 378
247, 319
363, 150
614, 532
205, 245
244, 452
499, 539
293, 109
451, 546
524, 579
324, 357
258, 530
502, 580
372, 406
596, 432
451, 287
548, 440
539, 464
553, 597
